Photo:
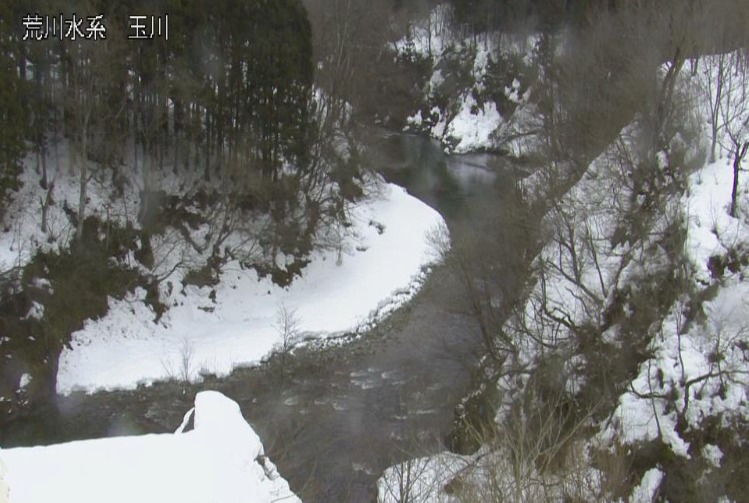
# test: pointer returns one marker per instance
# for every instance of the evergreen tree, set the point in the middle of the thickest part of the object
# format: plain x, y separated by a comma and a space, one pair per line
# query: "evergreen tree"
13, 108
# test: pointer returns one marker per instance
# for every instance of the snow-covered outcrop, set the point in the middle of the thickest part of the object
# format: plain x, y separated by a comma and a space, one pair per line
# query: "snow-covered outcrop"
221, 460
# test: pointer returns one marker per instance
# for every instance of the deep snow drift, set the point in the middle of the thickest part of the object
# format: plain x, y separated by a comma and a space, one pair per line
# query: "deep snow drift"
221, 460
381, 266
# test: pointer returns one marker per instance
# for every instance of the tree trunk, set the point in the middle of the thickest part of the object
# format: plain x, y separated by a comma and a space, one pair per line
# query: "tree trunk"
741, 149
83, 182
715, 108
46, 203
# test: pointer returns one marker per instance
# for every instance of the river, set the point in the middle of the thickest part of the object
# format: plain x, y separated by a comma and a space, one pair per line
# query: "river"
333, 419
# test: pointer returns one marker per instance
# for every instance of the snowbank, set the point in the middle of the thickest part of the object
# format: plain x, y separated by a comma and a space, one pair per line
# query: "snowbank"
221, 460
381, 266
474, 125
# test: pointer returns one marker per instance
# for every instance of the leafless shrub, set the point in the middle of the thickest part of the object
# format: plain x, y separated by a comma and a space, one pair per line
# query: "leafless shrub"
180, 365
287, 326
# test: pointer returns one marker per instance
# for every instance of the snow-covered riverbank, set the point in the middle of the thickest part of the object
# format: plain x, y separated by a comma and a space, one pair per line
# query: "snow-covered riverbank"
380, 267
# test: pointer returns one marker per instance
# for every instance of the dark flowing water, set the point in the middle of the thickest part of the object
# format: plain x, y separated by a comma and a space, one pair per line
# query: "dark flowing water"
334, 418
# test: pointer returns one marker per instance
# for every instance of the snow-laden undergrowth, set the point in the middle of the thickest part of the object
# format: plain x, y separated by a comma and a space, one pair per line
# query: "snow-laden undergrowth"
691, 393
220, 460
697, 371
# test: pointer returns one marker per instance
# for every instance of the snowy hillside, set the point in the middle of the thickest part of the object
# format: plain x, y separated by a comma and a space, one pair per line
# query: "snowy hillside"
634, 329
220, 460
361, 270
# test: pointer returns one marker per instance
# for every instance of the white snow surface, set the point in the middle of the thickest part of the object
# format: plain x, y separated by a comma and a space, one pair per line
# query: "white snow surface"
712, 231
3, 484
710, 354
473, 130
645, 492
382, 267
220, 461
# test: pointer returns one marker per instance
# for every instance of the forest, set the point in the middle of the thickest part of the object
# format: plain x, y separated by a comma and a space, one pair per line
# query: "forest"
215, 123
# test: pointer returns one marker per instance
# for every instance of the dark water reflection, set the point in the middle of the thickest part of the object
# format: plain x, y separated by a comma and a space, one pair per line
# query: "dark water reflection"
334, 418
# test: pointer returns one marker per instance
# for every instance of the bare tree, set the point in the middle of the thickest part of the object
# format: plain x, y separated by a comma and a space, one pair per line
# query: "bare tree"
734, 115
287, 325
410, 481
711, 81
536, 454
181, 367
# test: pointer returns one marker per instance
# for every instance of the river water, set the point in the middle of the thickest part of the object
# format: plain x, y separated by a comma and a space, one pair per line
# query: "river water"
333, 419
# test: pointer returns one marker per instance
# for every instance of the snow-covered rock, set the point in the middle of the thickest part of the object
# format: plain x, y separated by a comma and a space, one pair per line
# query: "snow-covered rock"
220, 461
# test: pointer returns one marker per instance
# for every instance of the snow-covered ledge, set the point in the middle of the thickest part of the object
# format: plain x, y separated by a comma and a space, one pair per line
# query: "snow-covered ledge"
221, 460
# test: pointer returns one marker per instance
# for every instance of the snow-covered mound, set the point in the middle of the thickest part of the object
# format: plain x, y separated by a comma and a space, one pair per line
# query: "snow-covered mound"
220, 461
379, 266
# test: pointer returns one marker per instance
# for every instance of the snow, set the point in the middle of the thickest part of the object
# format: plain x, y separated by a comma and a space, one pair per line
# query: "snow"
712, 231
694, 372
221, 460
455, 117
474, 125
427, 37
710, 351
697, 371
3, 484
645, 492
381, 268
21, 234
24, 381
468, 126
712, 454
421, 479
494, 473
